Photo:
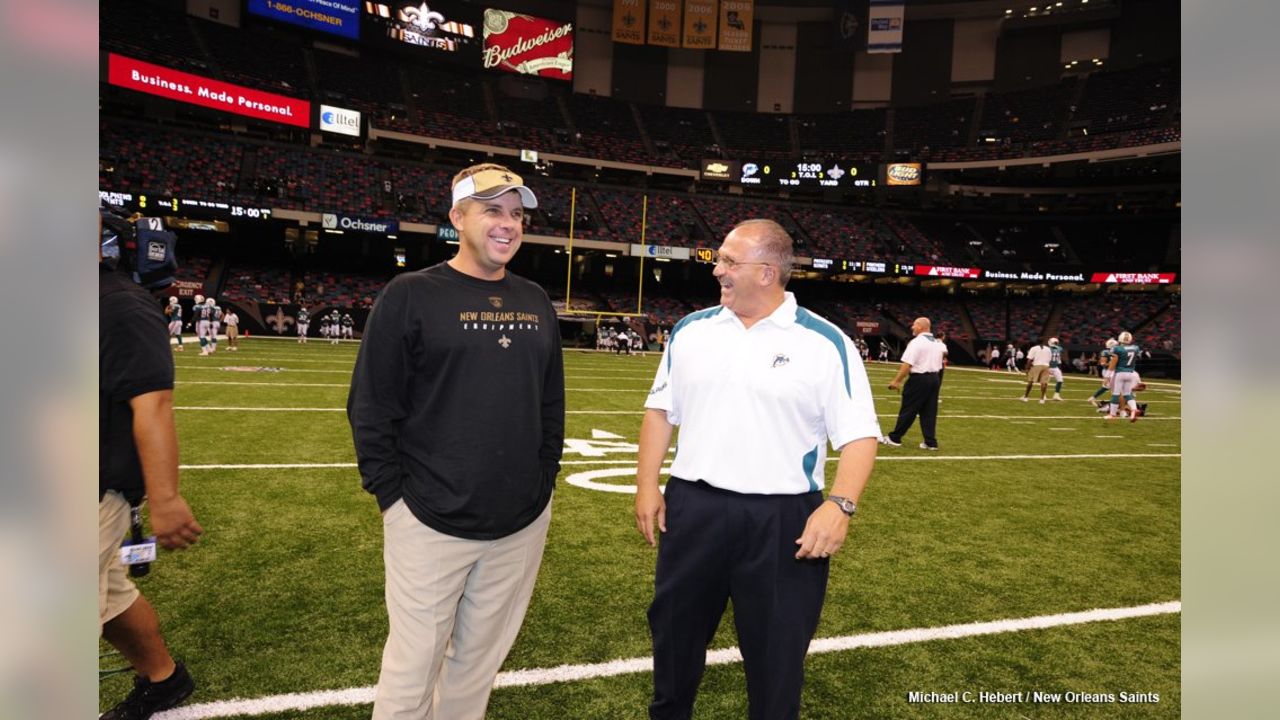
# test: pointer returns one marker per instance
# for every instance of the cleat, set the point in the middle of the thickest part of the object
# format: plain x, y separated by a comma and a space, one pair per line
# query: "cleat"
1057, 397
926, 446
148, 698
886, 440
1023, 399
1041, 401
1093, 402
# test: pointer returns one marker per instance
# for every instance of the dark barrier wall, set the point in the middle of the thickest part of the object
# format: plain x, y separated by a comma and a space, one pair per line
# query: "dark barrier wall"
1028, 58
824, 70
272, 320
922, 71
640, 73
732, 79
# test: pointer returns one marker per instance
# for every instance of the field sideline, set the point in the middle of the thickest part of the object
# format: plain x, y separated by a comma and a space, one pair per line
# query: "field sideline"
1037, 551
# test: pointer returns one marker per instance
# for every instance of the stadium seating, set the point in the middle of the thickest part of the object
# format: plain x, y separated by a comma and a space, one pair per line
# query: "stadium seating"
1089, 320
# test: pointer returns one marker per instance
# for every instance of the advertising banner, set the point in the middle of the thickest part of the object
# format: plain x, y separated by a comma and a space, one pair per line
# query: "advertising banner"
340, 120
1130, 278
659, 251
884, 26
340, 17
949, 272
904, 174
528, 45
184, 87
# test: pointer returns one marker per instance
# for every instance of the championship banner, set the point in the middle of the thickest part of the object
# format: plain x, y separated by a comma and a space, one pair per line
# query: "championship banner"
528, 45
699, 24
736, 24
664, 23
628, 21
884, 26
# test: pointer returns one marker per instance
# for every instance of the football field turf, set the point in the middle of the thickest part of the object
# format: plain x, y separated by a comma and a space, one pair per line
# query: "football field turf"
1036, 552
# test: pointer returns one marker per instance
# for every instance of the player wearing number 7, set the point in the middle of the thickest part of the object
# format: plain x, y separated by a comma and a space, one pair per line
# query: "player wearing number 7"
1124, 367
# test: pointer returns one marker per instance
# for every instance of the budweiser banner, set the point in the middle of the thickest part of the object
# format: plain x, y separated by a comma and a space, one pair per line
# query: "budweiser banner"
736, 21
528, 45
628, 21
664, 23
884, 26
184, 87
699, 24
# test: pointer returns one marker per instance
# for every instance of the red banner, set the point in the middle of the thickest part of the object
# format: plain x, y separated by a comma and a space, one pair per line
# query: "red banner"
949, 272
184, 87
1135, 278
528, 45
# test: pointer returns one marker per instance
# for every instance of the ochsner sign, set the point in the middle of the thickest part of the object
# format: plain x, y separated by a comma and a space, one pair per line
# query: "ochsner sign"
184, 87
528, 45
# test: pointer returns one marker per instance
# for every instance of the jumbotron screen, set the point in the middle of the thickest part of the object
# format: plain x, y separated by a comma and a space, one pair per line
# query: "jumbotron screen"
442, 30
528, 45
340, 17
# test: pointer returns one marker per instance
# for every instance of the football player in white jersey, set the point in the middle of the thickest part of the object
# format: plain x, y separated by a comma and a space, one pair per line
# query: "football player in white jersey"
173, 311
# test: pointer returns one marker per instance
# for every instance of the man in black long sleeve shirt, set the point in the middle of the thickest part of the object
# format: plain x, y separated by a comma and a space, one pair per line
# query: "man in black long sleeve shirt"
457, 411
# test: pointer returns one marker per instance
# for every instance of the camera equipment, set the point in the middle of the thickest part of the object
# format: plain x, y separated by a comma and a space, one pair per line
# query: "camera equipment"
140, 246
137, 569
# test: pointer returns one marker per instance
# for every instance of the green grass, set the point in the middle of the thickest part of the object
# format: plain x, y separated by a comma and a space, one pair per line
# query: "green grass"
284, 592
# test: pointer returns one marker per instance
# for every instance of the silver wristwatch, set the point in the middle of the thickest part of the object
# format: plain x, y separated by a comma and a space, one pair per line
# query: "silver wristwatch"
846, 505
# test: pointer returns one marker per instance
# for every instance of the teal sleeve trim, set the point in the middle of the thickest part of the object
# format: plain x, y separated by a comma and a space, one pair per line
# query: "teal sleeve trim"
806, 319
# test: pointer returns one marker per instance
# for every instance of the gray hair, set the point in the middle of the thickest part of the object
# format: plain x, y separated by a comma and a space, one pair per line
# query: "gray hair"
775, 242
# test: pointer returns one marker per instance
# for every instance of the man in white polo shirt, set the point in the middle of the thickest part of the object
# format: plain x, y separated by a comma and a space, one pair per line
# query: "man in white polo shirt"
758, 386
922, 360
1038, 358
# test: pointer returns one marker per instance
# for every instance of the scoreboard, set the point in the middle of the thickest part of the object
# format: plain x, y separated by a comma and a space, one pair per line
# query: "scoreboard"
801, 174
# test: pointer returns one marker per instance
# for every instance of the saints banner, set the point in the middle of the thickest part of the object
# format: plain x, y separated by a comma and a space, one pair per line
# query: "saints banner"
699, 24
664, 23
628, 21
736, 22
884, 26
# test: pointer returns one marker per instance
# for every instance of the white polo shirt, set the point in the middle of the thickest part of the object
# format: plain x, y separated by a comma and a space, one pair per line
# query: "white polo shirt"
924, 354
1039, 355
756, 407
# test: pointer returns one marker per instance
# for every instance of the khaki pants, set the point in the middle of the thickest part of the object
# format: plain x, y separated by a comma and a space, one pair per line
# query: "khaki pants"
116, 592
455, 607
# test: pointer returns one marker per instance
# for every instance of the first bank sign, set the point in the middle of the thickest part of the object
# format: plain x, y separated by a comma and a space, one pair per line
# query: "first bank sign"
333, 221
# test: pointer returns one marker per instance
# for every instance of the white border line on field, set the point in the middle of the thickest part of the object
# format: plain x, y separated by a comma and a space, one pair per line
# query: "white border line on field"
626, 666
882, 458
1017, 419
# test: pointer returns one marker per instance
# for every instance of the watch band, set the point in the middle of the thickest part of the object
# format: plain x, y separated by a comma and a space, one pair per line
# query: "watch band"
847, 506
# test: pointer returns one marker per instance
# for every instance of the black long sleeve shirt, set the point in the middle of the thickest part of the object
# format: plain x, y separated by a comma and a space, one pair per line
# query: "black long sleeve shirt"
457, 401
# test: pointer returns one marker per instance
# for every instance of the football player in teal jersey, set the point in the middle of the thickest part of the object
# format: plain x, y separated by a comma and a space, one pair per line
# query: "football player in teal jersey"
1055, 367
1124, 366
1104, 362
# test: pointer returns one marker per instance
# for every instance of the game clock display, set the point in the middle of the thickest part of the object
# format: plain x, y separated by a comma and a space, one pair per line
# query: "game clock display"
788, 174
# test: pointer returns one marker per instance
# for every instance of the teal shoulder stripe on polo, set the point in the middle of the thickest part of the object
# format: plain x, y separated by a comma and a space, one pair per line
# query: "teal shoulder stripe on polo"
699, 315
809, 461
806, 319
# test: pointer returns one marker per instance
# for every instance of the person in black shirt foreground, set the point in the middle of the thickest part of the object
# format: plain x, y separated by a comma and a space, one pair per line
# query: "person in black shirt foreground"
457, 412
137, 457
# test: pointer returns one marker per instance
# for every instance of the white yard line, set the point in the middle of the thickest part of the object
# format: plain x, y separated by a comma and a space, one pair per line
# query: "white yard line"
882, 458
295, 702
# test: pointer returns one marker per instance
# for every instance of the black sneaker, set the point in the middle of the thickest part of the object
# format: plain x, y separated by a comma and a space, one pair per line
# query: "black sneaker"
148, 698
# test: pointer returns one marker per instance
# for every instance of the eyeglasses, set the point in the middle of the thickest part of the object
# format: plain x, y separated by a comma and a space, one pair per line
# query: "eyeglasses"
729, 263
